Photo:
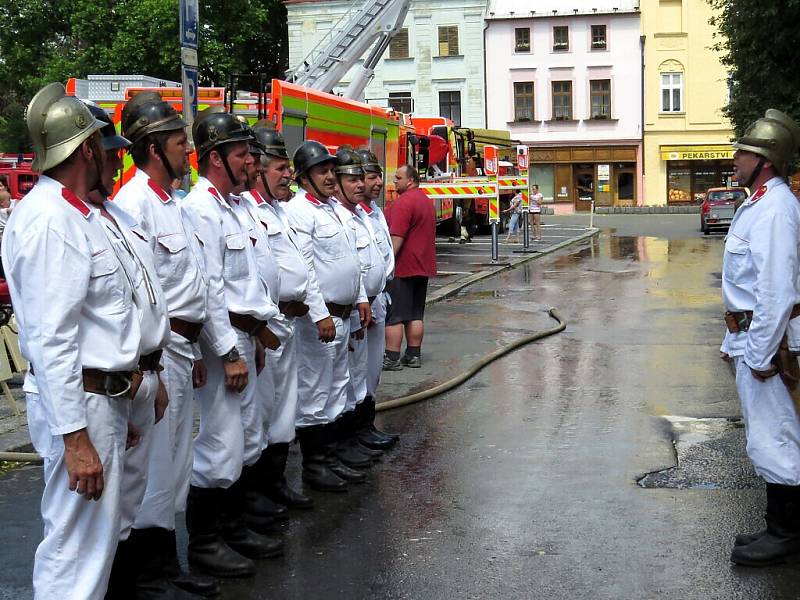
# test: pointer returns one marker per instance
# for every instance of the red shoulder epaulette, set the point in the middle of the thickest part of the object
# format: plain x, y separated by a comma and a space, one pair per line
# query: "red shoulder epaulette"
213, 191
313, 200
258, 197
75, 202
162, 195
759, 193
365, 207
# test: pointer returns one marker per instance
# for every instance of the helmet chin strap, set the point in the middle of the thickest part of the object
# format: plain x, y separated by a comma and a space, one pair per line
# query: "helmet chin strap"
756, 172
167, 166
97, 148
266, 186
223, 154
314, 185
341, 187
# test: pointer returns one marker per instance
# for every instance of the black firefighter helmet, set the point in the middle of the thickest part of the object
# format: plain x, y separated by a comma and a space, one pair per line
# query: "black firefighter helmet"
147, 113
348, 162
111, 139
310, 154
369, 161
271, 140
214, 128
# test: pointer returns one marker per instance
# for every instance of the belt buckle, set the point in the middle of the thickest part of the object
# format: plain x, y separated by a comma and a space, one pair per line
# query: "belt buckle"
743, 322
109, 382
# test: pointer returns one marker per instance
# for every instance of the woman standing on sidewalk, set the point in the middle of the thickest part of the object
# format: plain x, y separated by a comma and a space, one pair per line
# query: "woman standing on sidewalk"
536, 212
513, 225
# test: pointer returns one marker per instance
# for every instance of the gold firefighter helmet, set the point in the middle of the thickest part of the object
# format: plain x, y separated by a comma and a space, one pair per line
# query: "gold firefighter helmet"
776, 137
58, 124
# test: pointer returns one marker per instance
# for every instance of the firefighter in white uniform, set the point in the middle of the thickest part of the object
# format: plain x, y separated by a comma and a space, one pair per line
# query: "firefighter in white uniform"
350, 192
231, 424
761, 292
280, 374
334, 290
80, 330
161, 154
368, 434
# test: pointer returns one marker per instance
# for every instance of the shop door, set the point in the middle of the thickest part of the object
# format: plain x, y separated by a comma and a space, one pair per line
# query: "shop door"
625, 190
563, 191
583, 178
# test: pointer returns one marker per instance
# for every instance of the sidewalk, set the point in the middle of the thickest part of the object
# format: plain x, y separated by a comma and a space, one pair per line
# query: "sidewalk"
450, 353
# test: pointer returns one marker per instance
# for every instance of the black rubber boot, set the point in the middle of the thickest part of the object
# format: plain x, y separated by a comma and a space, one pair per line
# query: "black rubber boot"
347, 449
277, 487
120, 583
368, 434
235, 532
332, 461
257, 503
782, 538
208, 552
315, 471
150, 582
748, 538
196, 583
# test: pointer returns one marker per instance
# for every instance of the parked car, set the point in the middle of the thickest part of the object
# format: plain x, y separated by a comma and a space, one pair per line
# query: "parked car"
719, 206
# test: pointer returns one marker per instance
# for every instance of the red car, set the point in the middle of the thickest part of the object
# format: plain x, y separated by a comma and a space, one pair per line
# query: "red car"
719, 206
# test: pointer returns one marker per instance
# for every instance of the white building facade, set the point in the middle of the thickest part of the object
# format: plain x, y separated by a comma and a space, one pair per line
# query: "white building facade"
434, 66
565, 78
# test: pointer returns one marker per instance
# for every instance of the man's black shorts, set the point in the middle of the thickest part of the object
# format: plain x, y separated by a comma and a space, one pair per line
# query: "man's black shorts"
408, 299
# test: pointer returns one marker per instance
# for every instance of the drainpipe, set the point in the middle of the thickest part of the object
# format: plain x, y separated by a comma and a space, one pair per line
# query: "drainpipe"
485, 88
641, 100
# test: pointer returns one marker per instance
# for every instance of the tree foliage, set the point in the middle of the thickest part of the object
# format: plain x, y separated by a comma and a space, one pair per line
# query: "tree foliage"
51, 40
756, 40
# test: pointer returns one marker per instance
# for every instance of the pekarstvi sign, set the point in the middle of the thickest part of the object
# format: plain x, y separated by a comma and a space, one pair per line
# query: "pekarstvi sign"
716, 152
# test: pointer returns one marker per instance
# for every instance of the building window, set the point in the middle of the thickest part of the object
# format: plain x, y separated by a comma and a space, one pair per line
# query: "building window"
448, 40
598, 37
600, 90
522, 39
401, 102
562, 100
398, 47
523, 101
560, 38
671, 92
450, 106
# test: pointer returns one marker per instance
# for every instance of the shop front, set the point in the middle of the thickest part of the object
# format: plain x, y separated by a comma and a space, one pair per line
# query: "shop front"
605, 175
691, 170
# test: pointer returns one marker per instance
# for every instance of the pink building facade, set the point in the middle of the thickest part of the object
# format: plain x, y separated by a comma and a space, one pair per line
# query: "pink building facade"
565, 78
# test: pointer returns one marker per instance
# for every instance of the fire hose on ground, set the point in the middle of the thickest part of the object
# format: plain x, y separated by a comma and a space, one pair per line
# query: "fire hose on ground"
473, 370
32, 457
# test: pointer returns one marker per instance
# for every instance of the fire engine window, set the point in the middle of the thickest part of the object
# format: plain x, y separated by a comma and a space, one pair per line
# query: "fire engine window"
448, 40
450, 106
398, 47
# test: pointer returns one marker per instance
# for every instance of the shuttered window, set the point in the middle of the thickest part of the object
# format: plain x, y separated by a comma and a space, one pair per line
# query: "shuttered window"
398, 47
448, 40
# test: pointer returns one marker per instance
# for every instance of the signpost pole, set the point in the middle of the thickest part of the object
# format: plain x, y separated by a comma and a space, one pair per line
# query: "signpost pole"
189, 29
524, 171
491, 167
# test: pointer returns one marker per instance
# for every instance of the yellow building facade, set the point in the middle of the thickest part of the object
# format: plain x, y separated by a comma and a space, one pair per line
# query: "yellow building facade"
687, 141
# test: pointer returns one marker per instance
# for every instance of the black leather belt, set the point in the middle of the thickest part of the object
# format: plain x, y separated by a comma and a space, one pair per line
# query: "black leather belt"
339, 310
150, 362
247, 323
293, 308
191, 331
737, 321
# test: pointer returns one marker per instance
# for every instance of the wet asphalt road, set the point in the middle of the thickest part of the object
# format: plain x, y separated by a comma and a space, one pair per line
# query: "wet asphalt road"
523, 482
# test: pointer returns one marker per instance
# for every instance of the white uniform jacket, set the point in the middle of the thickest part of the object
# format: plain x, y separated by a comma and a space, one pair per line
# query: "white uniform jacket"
329, 247
233, 280
373, 268
382, 235
761, 271
136, 258
174, 243
257, 229
284, 245
72, 300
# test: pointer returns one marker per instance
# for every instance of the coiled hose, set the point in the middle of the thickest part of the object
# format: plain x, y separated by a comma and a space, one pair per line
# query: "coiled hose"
489, 358
448, 385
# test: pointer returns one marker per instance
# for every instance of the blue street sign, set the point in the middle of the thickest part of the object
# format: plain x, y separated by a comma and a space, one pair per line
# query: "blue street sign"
189, 80
189, 23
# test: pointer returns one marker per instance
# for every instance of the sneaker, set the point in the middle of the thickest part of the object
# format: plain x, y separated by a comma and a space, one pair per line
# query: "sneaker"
391, 365
412, 362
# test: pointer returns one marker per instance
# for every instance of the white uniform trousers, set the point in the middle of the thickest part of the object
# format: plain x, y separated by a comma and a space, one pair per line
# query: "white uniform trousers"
357, 359
231, 423
74, 559
170, 458
136, 471
322, 373
773, 429
282, 364
376, 344
265, 395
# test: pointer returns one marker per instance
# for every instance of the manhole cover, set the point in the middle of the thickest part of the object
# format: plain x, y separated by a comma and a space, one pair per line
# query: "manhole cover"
710, 455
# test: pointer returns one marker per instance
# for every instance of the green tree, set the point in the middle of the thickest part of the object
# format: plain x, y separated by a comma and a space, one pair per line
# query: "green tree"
756, 40
51, 40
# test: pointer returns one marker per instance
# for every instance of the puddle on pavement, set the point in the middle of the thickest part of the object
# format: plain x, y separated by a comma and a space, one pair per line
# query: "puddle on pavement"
710, 454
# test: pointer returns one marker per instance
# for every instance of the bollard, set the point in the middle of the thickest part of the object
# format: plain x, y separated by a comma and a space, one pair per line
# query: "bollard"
526, 234
591, 216
495, 242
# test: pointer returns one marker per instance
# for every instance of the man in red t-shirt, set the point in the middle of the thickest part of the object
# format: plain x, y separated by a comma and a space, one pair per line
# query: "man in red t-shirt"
412, 225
